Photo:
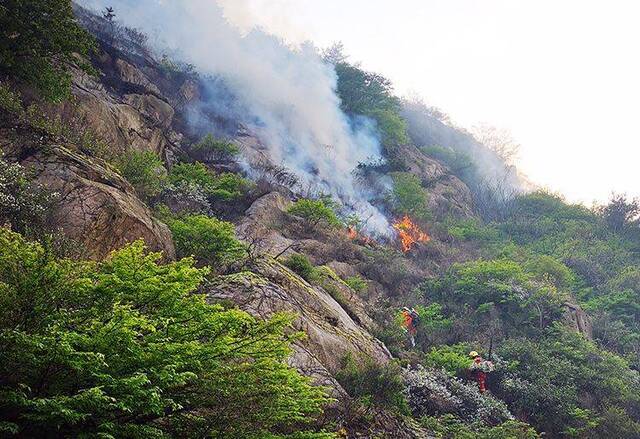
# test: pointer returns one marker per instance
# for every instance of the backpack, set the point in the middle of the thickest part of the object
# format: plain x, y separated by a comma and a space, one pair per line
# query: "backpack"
415, 318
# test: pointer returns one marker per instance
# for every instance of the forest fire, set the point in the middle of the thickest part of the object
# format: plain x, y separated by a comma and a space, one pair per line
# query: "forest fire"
409, 233
353, 235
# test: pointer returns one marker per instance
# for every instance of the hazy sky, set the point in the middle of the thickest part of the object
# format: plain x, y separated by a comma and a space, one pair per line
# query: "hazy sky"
562, 75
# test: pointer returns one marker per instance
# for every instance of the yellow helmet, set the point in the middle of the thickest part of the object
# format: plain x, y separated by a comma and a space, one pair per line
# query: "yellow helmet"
474, 354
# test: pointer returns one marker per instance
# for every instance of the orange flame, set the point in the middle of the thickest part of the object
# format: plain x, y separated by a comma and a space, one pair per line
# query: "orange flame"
409, 233
353, 235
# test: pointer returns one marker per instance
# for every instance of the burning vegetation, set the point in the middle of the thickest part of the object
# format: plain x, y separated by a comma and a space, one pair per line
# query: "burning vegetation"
409, 233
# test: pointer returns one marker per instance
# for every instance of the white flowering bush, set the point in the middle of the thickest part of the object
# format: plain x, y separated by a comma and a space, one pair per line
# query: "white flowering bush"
433, 392
186, 197
23, 203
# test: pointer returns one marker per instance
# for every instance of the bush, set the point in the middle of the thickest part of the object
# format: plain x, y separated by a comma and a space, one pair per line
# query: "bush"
370, 94
208, 239
301, 265
23, 203
128, 348
356, 283
216, 148
373, 384
37, 38
408, 195
226, 186
563, 371
454, 359
315, 213
433, 392
145, 171
451, 427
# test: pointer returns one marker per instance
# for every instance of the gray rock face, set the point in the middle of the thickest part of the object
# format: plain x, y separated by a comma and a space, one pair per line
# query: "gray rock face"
448, 195
578, 320
96, 206
331, 332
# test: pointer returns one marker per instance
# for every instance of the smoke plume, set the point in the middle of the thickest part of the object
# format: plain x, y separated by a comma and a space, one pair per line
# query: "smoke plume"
285, 95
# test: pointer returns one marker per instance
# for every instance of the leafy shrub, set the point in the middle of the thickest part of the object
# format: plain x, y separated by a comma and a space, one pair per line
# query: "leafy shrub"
216, 148
451, 427
37, 38
373, 384
314, 212
370, 94
563, 371
128, 348
23, 203
356, 283
208, 239
226, 186
301, 265
229, 186
433, 392
408, 195
522, 303
452, 358
145, 171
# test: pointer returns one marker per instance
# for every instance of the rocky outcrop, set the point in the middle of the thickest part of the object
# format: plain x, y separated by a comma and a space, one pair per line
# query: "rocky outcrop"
95, 206
331, 333
448, 195
125, 109
578, 320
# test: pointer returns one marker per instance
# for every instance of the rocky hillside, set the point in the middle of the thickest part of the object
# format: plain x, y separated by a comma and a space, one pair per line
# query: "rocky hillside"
292, 282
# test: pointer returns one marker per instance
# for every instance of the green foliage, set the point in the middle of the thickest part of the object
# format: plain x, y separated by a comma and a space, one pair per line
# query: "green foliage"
301, 265
145, 171
554, 377
500, 292
23, 203
127, 348
226, 186
356, 283
37, 38
209, 240
229, 186
450, 427
472, 229
315, 213
370, 94
452, 358
373, 384
221, 149
408, 195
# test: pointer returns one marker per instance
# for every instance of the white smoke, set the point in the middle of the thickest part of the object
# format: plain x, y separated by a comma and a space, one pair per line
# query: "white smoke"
287, 94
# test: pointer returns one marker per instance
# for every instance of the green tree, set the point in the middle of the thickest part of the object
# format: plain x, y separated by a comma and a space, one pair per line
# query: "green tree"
145, 171
370, 94
218, 149
225, 186
315, 213
127, 348
210, 240
408, 196
301, 265
37, 38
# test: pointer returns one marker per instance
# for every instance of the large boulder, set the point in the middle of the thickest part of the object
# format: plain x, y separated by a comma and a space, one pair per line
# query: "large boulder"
95, 206
331, 333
